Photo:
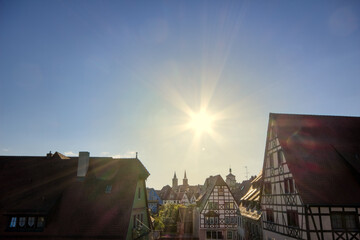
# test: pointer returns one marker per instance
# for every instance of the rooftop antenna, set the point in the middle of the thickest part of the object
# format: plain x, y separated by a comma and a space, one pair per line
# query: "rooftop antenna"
246, 172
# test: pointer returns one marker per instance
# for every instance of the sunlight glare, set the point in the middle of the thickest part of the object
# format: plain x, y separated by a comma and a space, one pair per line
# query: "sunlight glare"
201, 122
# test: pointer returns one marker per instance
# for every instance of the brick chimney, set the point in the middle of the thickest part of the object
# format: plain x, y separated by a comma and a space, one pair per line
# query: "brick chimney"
83, 164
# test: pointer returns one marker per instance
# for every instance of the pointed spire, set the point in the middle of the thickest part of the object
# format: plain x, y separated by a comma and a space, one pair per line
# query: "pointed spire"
175, 175
185, 175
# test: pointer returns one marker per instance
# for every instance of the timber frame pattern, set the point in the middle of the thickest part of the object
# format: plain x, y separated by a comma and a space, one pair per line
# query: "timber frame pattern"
277, 204
285, 214
219, 214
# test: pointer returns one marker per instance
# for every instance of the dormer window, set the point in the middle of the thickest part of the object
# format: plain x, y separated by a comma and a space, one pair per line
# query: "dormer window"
22, 221
31, 221
108, 188
13, 222
41, 222
26, 223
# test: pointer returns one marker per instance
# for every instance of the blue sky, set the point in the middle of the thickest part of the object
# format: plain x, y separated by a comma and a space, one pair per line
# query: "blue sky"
119, 77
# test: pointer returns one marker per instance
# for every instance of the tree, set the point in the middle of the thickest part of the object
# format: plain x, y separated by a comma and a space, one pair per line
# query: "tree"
168, 216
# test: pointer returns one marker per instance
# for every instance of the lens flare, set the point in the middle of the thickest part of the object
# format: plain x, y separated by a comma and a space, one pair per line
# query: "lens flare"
201, 122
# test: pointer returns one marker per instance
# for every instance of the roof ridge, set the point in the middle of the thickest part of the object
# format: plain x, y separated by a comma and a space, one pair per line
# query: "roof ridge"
315, 115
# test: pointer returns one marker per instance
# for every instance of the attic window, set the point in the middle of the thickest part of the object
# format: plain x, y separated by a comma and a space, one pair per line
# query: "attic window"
221, 192
280, 157
289, 185
108, 188
271, 159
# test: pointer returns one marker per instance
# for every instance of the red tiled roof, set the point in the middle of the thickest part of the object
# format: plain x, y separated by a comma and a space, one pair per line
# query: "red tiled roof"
323, 154
78, 208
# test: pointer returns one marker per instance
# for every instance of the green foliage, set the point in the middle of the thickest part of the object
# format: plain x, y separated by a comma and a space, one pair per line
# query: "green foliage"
158, 223
167, 217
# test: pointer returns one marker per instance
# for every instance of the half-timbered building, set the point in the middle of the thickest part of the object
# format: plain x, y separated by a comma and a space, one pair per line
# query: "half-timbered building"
217, 211
311, 171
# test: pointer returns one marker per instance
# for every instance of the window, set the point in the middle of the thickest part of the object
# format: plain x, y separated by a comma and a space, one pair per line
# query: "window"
108, 188
293, 220
267, 186
13, 222
280, 157
229, 235
271, 159
22, 221
221, 191
233, 220
269, 215
289, 185
211, 220
41, 222
214, 235
139, 193
19, 223
350, 221
344, 220
213, 205
227, 220
31, 221
137, 220
229, 205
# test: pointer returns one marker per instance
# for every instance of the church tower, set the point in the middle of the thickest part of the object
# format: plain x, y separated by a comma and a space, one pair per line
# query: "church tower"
185, 180
230, 180
174, 181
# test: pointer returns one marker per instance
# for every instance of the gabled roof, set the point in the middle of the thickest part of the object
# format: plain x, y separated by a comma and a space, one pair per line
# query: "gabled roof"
323, 154
40, 185
210, 183
241, 189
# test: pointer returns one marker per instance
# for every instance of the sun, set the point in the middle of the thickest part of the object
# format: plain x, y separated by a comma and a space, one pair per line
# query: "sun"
201, 122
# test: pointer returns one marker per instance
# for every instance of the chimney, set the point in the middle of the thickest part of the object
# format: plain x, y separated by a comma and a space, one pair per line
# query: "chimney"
83, 164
